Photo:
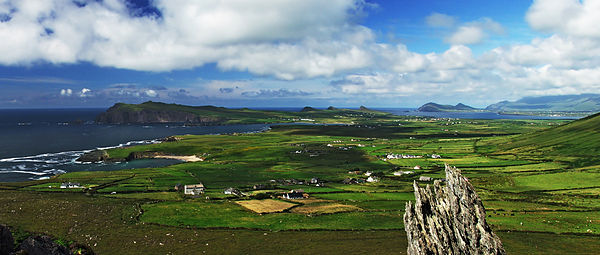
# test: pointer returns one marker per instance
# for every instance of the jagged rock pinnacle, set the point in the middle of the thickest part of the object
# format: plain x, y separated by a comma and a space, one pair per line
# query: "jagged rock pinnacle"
449, 219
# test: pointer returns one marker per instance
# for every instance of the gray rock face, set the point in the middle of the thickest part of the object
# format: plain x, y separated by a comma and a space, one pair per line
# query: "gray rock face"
94, 156
449, 219
6, 240
42, 245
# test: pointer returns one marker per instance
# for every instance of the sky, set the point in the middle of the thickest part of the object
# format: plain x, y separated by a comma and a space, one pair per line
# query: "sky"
290, 53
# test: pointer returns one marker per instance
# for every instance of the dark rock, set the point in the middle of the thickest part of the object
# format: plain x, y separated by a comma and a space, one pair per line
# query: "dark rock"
170, 139
94, 156
80, 249
6, 241
363, 108
331, 108
142, 155
42, 245
449, 219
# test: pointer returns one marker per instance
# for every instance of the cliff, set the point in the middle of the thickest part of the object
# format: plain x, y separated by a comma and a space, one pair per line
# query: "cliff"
449, 219
153, 112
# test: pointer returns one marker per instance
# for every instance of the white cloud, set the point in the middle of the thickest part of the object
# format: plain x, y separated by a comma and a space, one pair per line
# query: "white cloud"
440, 20
236, 34
568, 17
85, 92
66, 92
303, 41
474, 32
151, 93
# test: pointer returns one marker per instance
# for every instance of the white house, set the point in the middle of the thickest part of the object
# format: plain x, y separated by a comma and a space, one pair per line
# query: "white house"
372, 179
70, 185
195, 189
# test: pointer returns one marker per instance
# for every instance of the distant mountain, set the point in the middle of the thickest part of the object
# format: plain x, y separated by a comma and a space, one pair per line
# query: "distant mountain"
308, 109
433, 107
566, 103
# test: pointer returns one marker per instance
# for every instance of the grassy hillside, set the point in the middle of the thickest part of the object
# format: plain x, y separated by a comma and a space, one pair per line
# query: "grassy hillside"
578, 139
575, 103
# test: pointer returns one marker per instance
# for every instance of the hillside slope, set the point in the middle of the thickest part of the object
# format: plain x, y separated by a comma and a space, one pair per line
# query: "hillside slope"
578, 139
583, 102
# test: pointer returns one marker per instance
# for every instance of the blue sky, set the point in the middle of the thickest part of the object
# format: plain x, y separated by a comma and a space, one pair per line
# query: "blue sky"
265, 53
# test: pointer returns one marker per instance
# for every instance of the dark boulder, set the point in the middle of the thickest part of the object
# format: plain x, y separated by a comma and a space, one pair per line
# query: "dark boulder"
142, 155
42, 245
94, 156
449, 219
6, 240
170, 139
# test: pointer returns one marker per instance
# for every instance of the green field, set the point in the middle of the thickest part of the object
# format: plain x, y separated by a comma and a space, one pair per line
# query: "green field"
530, 174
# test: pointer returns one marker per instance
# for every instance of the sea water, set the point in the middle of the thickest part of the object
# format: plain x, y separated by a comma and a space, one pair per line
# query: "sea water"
40, 143
37, 144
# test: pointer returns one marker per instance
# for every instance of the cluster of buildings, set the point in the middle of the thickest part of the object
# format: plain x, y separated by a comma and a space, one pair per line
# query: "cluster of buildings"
70, 185
402, 156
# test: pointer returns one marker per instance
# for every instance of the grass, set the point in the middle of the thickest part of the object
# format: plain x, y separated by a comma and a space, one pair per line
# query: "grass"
324, 208
548, 188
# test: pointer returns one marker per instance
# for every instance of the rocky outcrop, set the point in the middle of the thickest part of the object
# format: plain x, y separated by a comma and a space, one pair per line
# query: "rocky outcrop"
142, 155
6, 240
94, 156
170, 139
42, 245
449, 219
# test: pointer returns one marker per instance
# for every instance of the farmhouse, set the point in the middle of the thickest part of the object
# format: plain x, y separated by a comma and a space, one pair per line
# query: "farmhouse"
400, 173
417, 167
315, 180
372, 179
70, 185
294, 194
435, 156
195, 189
233, 191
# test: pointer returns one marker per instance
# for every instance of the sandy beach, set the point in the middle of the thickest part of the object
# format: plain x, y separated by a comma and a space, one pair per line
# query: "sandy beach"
192, 158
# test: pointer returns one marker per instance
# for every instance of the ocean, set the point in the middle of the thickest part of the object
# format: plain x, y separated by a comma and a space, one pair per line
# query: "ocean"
40, 143
37, 144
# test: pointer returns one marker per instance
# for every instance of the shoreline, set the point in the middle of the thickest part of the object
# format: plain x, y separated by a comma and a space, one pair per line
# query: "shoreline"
192, 158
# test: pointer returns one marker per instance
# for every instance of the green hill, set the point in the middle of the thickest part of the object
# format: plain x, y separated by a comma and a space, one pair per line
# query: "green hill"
576, 141
564, 103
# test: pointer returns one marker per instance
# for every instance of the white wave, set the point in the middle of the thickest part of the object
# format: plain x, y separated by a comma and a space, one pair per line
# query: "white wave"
23, 172
38, 179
